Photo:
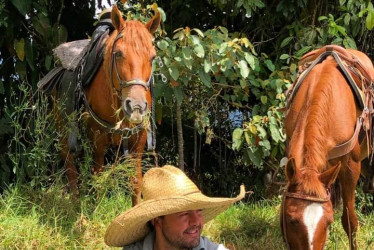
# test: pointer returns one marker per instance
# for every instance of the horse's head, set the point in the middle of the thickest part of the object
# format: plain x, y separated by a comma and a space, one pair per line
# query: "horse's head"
307, 211
129, 57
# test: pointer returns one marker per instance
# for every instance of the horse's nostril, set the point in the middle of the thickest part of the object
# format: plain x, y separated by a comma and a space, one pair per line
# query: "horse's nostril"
146, 106
128, 106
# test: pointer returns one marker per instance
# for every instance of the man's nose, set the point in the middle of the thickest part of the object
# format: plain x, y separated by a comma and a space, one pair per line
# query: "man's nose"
196, 217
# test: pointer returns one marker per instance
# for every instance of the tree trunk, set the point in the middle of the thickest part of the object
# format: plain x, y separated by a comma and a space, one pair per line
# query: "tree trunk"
180, 137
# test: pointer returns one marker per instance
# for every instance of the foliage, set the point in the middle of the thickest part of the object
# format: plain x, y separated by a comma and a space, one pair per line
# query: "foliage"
227, 63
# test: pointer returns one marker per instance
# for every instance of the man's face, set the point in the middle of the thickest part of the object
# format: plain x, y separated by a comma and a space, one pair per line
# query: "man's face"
180, 230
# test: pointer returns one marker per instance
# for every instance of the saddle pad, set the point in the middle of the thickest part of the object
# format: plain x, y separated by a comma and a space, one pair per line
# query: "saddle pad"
71, 53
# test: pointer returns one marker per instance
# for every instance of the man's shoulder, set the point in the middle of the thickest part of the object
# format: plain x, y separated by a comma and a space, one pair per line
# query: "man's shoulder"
135, 246
207, 244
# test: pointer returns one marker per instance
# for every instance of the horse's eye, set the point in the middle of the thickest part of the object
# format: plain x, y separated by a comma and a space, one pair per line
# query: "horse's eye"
118, 54
294, 221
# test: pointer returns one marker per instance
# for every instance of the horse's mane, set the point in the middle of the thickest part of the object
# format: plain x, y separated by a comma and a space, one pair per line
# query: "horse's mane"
316, 119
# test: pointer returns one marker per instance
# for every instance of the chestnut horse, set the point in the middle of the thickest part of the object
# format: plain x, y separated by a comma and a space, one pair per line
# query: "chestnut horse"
323, 114
119, 98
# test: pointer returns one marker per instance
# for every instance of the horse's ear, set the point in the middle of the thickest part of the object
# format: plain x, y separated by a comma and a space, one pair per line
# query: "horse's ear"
290, 169
117, 19
329, 176
153, 24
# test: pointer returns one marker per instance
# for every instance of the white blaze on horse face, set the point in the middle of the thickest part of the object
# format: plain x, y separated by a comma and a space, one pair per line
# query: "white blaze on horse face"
312, 215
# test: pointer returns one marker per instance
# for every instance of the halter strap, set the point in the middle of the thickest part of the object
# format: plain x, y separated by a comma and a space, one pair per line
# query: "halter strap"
301, 197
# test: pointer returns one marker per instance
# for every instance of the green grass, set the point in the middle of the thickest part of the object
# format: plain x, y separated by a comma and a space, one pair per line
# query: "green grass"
51, 219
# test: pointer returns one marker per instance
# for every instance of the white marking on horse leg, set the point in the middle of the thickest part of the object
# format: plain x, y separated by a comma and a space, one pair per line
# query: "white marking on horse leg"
312, 215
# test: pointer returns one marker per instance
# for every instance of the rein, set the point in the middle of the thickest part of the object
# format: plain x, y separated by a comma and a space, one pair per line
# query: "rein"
305, 197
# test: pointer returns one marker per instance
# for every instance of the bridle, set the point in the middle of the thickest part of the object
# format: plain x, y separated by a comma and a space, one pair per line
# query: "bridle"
299, 196
125, 84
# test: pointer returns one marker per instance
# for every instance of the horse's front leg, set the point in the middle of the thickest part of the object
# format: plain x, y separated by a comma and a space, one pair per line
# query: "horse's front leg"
136, 145
100, 144
348, 180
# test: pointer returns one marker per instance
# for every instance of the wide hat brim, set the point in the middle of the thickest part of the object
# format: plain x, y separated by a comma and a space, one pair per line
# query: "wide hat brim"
131, 226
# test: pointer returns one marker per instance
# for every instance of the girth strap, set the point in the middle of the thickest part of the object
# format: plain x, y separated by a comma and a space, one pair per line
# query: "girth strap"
346, 147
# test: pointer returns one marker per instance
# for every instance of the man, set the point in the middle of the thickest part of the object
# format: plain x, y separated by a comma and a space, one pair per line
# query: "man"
171, 216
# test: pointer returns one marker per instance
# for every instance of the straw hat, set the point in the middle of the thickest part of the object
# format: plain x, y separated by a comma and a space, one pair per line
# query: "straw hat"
165, 190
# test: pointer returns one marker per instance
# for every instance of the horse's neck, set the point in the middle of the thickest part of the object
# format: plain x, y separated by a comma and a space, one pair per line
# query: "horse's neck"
312, 136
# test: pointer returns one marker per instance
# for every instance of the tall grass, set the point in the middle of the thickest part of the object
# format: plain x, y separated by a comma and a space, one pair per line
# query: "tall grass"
52, 219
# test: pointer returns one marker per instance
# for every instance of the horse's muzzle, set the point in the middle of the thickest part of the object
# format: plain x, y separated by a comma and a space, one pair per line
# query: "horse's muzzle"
135, 110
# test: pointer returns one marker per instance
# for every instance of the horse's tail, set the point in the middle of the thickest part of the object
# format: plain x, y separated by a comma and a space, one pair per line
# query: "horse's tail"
336, 194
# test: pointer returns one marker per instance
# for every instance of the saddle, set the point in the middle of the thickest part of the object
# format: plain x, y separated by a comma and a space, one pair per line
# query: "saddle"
82, 57
361, 81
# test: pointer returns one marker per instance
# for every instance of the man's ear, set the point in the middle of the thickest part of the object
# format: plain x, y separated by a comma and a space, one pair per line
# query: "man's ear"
117, 19
329, 176
156, 221
290, 169
153, 24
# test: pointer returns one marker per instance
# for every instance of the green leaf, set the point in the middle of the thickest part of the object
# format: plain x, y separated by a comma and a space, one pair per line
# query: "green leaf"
237, 139
255, 156
264, 99
321, 18
248, 137
370, 20
284, 56
199, 32
195, 39
349, 43
48, 62
265, 144
303, 50
174, 73
199, 50
178, 94
275, 133
222, 48
207, 66
205, 78
23, 6
19, 46
261, 130
186, 53
270, 65
250, 59
163, 45
286, 41
61, 34
163, 15
244, 70
30, 55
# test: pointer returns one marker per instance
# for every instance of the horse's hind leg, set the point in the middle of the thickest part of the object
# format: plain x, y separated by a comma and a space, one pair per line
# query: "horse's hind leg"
348, 178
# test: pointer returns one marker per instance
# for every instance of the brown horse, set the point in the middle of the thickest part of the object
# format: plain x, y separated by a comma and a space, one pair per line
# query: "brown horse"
322, 114
119, 96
